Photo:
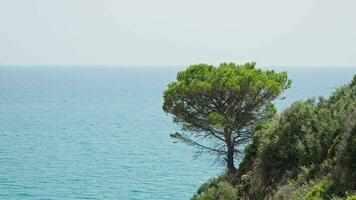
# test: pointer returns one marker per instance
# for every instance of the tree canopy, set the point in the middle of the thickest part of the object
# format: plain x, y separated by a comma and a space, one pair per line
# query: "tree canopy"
219, 106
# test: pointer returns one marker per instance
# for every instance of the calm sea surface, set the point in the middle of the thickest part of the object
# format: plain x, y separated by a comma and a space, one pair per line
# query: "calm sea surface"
100, 133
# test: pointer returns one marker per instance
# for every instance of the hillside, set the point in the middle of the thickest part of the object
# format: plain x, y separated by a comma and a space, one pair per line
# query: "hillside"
306, 152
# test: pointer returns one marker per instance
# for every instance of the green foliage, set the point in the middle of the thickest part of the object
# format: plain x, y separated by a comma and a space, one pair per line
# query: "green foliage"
353, 82
209, 184
291, 191
351, 197
346, 176
318, 190
306, 153
221, 190
222, 104
310, 140
321, 190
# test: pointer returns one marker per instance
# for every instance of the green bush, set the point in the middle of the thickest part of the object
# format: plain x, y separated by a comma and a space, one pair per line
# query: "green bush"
351, 197
306, 153
321, 190
347, 164
220, 191
291, 191
208, 184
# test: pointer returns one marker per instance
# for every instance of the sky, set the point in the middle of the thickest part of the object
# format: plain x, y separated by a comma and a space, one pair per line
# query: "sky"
177, 32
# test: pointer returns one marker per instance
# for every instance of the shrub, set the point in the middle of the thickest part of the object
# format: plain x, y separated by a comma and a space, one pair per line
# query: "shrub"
306, 153
220, 191
209, 184
291, 191
351, 197
321, 190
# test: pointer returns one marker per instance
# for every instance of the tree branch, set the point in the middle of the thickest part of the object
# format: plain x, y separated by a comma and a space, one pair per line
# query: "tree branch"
194, 143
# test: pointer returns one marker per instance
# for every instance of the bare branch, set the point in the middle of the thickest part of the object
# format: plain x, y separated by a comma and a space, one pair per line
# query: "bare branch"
189, 141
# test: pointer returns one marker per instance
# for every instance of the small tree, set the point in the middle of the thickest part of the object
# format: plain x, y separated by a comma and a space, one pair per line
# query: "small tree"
218, 106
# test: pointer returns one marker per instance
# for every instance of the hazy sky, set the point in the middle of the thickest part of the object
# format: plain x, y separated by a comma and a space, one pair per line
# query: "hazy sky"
160, 32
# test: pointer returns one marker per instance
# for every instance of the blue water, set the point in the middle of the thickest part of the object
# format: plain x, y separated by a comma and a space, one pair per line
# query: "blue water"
100, 133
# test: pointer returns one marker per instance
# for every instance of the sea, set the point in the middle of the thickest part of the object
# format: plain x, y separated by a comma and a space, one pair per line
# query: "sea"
99, 132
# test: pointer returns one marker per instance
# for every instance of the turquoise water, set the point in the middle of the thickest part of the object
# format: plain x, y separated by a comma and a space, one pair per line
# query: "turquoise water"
100, 133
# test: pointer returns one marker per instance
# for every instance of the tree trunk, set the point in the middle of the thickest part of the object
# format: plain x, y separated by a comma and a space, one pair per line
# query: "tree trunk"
230, 153
230, 159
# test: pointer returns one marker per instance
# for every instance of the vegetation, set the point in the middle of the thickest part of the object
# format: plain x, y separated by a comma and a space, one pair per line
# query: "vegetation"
308, 152
216, 189
219, 106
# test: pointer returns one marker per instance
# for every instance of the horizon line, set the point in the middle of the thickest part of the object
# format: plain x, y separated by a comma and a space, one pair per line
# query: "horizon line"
171, 65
